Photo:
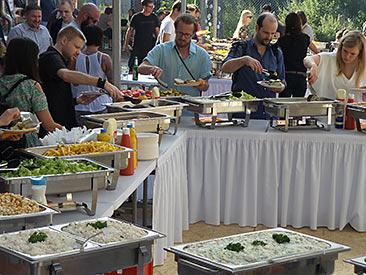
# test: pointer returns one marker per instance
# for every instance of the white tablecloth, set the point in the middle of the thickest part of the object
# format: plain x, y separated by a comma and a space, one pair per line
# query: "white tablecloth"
218, 86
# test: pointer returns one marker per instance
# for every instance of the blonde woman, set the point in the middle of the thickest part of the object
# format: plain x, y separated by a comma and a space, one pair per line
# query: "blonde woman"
343, 69
242, 29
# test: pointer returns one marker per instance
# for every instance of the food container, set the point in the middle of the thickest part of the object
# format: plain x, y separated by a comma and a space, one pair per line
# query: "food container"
117, 159
358, 111
318, 261
162, 106
359, 263
145, 122
214, 106
285, 108
148, 146
94, 259
25, 221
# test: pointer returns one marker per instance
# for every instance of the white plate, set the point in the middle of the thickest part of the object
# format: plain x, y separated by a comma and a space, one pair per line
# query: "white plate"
90, 93
188, 84
264, 83
360, 90
9, 131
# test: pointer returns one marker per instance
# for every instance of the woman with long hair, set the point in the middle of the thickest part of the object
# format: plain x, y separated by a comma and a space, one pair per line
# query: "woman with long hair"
344, 69
20, 86
294, 45
242, 30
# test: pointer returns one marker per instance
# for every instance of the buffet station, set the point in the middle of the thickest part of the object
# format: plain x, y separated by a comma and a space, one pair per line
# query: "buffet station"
190, 171
359, 264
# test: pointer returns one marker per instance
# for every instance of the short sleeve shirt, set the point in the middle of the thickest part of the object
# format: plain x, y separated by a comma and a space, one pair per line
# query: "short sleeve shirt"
58, 92
167, 27
145, 30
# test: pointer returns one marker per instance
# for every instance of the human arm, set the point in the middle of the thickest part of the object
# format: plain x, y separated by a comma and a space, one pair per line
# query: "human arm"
166, 37
107, 66
313, 48
128, 37
146, 68
203, 87
311, 63
47, 121
157, 30
234, 64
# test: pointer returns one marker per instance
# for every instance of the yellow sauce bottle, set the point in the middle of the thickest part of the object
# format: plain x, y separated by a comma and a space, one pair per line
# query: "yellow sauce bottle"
111, 126
143, 96
103, 136
134, 143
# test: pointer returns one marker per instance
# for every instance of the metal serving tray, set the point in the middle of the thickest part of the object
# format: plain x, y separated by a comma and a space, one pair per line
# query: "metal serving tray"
63, 183
359, 263
284, 108
118, 159
93, 260
358, 111
145, 122
308, 262
214, 106
12, 223
162, 106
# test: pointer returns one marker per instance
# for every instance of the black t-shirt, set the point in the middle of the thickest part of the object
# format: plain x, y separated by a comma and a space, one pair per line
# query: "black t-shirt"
145, 30
58, 92
294, 51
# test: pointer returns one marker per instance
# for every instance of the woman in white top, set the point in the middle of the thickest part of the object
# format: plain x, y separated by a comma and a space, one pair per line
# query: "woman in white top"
167, 30
242, 30
95, 63
344, 69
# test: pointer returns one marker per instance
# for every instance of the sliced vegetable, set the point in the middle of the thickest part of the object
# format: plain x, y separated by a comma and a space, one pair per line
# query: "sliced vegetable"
98, 224
281, 238
235, 247
37, 237
256, 243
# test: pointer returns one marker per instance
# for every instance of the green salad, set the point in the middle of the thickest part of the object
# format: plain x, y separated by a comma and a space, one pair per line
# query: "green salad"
244, 96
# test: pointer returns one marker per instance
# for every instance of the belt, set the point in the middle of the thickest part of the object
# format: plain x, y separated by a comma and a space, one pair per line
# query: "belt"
298, 73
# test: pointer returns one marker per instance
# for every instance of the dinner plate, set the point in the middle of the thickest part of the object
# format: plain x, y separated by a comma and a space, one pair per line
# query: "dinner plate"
265, 83
188, 84
360, 90
90, 93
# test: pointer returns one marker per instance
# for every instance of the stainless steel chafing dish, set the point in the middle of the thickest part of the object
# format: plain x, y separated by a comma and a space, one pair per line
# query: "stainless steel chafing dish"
117, 159
162, 106
63, 183
214, 106
292, 110
358, 111
24, 221
94, 259
145, 122
308, 262
359, 263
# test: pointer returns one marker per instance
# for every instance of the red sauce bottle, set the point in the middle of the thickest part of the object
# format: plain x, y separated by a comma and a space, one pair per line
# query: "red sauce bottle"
127, 142
350, 123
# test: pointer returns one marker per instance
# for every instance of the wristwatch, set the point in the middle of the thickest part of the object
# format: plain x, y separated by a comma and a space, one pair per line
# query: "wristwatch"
101, 83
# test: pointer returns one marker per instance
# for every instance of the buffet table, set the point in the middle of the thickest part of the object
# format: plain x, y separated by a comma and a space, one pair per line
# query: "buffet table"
218, 86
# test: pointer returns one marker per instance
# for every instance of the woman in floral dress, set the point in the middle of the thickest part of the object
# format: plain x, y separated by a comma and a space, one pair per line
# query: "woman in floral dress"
21, 60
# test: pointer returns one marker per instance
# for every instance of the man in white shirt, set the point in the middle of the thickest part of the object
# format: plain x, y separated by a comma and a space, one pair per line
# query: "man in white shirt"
167, 30
32, 28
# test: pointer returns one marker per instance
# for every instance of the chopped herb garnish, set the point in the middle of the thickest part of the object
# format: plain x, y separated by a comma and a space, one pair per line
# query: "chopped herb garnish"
281, 238
98, 224
37, 237
235, 247
256, 242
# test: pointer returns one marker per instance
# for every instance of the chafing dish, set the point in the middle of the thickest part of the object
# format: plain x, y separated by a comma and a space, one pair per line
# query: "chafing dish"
117, 159
94, 259
292, 110
358, 111
24, 221
307, 262
220, 105
63, 183
145, 122
162, 106
359, 263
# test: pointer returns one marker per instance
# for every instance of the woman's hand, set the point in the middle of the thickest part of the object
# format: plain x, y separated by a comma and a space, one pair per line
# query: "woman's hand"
313, 75
9, 115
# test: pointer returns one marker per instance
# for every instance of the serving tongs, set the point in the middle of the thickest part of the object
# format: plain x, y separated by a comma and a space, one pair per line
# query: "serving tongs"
270, 74
162, 83
105, 231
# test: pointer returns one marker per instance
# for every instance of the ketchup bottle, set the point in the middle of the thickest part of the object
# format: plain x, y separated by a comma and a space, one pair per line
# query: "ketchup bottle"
350, 123
127, 142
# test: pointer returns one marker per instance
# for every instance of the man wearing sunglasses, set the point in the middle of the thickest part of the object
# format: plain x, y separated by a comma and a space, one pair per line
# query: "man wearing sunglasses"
180, 58
89, 14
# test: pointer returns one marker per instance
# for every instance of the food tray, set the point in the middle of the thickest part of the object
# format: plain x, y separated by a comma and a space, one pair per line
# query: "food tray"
93, 260
24, 221
359, 263
117, 159
214, 106
358, 111
188, 263
162, 106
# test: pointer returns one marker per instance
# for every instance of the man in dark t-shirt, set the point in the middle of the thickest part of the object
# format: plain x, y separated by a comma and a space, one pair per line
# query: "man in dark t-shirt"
146, 26
56, 77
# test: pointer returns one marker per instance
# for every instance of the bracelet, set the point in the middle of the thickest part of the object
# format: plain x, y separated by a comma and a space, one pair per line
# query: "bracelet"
101, 83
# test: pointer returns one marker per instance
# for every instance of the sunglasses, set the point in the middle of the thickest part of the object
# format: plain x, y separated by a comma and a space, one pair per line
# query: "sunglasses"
92, 19
250, 16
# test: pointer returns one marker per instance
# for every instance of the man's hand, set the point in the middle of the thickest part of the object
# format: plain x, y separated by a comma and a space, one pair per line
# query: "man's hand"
9, 115
86, 99
156, 72
112, 90
203, 87
253, 63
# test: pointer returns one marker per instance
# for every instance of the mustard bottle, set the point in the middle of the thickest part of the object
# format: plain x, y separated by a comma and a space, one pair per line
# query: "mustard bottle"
104, 136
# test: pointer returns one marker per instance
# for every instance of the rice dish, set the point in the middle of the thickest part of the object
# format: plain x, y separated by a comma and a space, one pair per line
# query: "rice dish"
54, 243
216, 250
113, 232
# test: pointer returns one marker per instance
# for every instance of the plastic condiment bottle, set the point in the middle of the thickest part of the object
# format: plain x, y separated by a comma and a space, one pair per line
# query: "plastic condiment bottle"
350, 123
111, 126
339, 119
134, 143
104, 136
39, 186
155, 93
127, 142
143, 96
